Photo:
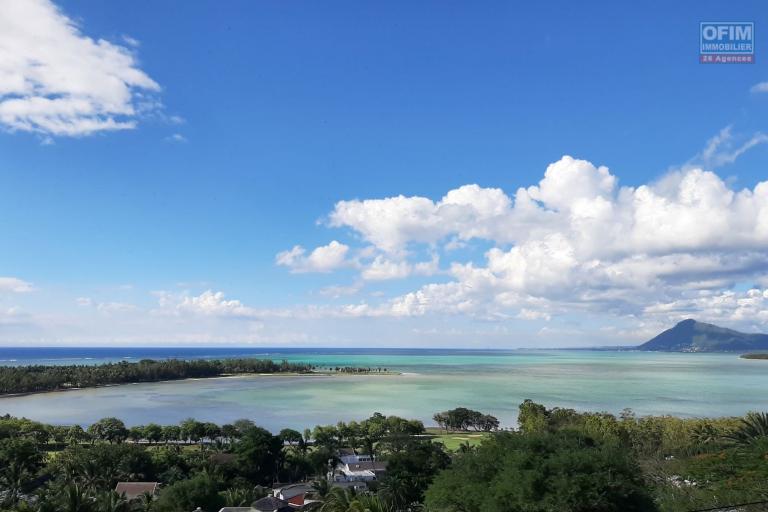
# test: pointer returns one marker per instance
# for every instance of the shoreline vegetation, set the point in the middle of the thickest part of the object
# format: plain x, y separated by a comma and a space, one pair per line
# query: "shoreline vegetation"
556, 459
755, 355
34, 379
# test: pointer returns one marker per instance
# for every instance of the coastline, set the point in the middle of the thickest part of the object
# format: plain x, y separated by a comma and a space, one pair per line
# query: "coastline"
192, 379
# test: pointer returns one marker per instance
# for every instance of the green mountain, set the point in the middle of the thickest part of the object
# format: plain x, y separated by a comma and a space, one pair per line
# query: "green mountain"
692, 336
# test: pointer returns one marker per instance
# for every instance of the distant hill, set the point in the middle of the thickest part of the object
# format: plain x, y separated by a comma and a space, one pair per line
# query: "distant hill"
692, 336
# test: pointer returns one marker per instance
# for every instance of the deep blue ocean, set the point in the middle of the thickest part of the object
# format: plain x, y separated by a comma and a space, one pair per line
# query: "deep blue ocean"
17, 356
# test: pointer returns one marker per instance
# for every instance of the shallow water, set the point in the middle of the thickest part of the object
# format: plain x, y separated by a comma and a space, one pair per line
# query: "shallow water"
434, 380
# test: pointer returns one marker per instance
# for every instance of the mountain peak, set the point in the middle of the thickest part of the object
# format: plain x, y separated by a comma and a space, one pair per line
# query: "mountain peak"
690, 335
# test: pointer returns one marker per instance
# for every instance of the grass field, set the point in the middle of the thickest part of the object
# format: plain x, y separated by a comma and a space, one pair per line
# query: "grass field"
454, 440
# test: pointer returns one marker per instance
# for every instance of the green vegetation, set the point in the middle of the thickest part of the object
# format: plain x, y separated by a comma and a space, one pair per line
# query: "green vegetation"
558, 459
761, 355
456, 441
541, 472
692, 336
462, 418
33, 379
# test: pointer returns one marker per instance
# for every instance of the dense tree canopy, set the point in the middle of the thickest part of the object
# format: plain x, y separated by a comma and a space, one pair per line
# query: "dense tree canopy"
541, 472
259, 455
411, 471
559, 459
36, 378
462, 418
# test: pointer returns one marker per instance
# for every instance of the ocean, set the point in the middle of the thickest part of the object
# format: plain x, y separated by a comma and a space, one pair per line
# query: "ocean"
431, 380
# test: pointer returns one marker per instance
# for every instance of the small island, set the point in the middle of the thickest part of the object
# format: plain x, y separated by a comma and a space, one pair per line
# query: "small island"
762, 355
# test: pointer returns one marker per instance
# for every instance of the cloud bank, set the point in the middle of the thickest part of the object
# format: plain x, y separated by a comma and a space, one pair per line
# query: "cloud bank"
576, 241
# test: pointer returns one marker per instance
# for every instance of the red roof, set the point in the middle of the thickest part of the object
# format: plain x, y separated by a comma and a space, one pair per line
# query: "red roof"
135, 489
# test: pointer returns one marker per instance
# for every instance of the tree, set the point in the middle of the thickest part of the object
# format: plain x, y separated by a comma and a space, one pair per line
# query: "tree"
109, 429
171, 433
76, 435
539, 473
752, 427
243, 424
186, 495
411, 471
462, 418
292, 437
211, 431
241, 496
229, 432
20, 459
321, 488
487, 423
73, 498
532, 417
296, 467
319, 460
192, 430
145, 502
259, 455
136, 433
110, 501
153, 432
441, 419
100, 466
341, 500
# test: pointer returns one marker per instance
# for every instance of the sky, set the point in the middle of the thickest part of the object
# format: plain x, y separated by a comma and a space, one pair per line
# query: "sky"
405, 174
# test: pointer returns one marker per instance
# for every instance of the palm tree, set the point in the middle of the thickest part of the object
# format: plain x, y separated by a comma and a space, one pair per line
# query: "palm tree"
704, 434
110, 501
92, 475
74, 498
370, 503
12, 478
395, 490
321, 488
752, 427
339, 500
238, 497
145, 502
466, 447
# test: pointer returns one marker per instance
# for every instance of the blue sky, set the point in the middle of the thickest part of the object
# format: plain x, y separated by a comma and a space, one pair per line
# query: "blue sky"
242, 128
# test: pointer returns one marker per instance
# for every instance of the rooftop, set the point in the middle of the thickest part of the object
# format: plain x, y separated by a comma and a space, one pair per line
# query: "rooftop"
271, 504
133, 490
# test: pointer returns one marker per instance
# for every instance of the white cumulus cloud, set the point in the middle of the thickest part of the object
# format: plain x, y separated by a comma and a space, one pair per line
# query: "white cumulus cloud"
574, 242
55, 80
383, 268
208, 303
15, 285
322, 259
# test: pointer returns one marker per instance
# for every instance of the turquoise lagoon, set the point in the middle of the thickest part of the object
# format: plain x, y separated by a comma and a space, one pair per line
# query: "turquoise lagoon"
496, 382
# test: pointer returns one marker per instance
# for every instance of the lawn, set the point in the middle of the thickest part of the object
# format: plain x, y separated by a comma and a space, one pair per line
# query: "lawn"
453, 440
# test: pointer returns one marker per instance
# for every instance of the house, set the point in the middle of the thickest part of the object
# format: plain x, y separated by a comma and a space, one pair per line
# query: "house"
293, 493
357, 468
271, 504
133, 490
355, 486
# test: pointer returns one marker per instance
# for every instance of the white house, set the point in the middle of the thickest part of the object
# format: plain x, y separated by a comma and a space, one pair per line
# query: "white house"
357, 468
